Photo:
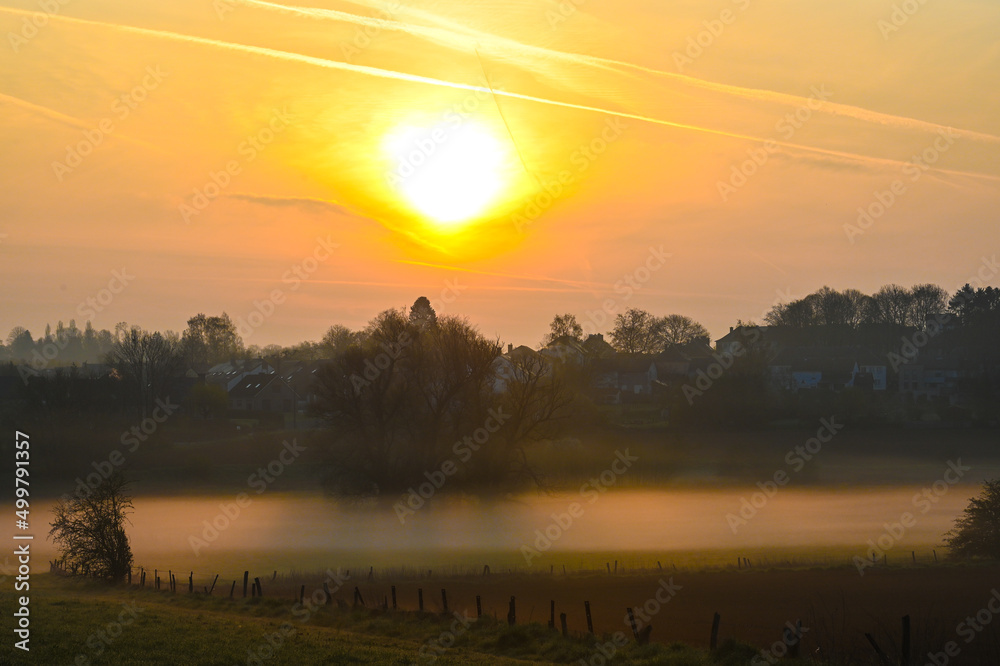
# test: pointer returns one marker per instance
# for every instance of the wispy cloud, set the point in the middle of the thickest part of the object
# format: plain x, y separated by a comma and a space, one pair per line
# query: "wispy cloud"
321, 205
414, 78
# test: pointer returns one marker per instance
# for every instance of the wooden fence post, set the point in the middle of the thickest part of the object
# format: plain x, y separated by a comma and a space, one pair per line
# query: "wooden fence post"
212, 589
552, 614
479, 606
260, 590
562, 619
631, 621
795, 640
393, 597
512, 612
906, 643
191, 582
246, 577
358, 599
713, 641
232, 590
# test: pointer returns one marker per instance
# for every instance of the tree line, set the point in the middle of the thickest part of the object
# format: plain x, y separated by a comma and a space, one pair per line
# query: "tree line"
208, 340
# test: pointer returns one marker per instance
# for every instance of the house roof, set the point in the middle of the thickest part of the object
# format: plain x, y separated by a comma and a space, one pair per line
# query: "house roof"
596, 345
252, 385
522, 351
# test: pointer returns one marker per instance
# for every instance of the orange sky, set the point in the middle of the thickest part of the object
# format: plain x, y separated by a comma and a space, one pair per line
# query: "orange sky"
644, 117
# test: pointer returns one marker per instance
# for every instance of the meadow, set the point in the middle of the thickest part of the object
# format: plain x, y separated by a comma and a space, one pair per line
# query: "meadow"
82, 622
661, 526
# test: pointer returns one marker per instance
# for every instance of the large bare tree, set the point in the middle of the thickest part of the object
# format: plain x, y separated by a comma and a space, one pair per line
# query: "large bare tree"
408, 394
146, 362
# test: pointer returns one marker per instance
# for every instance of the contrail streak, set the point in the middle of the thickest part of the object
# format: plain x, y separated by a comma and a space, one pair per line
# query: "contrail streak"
414, 78
71, 121
505, 43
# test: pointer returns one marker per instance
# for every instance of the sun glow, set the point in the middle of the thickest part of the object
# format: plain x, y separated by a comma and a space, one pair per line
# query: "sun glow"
450, 173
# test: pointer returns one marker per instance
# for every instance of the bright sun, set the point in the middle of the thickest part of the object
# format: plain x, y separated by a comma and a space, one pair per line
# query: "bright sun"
449, 173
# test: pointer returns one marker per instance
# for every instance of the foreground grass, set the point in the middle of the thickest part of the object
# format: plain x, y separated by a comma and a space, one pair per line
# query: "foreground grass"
84, 623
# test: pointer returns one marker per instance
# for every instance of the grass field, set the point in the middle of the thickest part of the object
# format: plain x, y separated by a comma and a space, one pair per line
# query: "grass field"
77, 622
80, 622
